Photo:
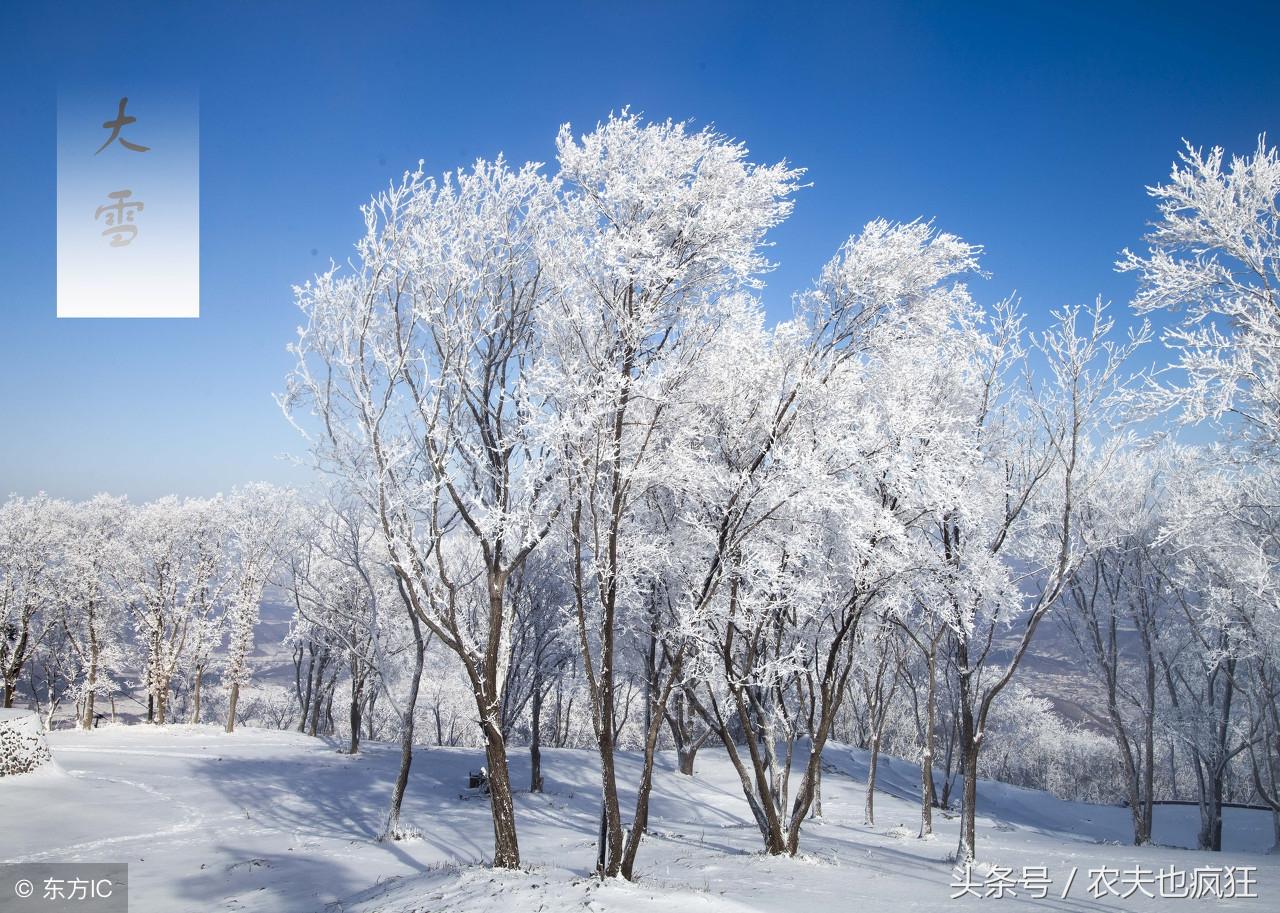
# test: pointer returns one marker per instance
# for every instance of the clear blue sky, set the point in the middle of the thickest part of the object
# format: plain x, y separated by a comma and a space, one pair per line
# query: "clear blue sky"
1030, 128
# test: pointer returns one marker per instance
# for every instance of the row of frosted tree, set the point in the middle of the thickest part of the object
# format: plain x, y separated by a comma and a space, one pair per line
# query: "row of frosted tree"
563, 460
100, 596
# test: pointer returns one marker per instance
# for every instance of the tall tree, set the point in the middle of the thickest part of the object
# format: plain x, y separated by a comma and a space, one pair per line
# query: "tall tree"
827, 442
257, 517
174, 564
91, 598
1038, 461
662, 226
421, 370
29, 543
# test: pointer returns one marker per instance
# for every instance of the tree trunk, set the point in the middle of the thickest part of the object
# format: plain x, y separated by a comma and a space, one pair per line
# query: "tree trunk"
1143, 834
1210, 836
768, 816
1215, 766
357, 700
869, 811
1211, 775
535, 738
317, 694
811, 777
305, 696
927, 795
195, 703
506, 848
392, 831
86, 722
91, 679
686, 756
317, 705
13, 670
967, 850
640, 823
609, 856
680, 722
948, 770
559, 711
233, 699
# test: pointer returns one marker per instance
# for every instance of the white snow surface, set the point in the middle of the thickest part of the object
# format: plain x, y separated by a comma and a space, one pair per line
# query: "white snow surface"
274, 821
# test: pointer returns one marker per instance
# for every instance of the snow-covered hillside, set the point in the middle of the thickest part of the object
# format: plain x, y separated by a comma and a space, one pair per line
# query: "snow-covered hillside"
275, 821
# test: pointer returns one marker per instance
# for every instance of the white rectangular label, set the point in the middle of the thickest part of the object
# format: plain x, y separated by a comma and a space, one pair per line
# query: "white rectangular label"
128, 203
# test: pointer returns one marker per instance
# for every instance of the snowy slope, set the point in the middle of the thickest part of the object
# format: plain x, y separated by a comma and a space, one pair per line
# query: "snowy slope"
271, 821
1004, 807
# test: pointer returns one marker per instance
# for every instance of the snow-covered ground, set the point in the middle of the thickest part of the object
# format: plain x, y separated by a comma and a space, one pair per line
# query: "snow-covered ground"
274, 821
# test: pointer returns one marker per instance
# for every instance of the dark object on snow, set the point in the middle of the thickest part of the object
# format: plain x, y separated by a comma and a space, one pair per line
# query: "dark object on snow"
477, 784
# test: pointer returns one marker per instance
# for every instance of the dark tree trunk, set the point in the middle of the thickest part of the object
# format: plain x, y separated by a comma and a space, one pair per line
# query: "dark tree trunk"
656, 711
316, 691
609, 853
506, 848
1142, 829
966, 852
927, 795
686, 755
535, 738
357, 702
393, 831
680, 721
304, 693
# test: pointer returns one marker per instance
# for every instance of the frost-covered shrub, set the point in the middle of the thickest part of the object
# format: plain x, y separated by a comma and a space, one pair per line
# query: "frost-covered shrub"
22, 744
268, 707
1033, 746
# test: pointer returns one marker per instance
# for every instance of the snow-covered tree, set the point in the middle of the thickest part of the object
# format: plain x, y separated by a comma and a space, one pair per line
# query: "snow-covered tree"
830, 443
1040, 454
878, 682
257, 518
346, 604
661, 226
1219, 652
29, 543
175, 552
91, 598
542, 646
421, 369
1116, 608
1213, 258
